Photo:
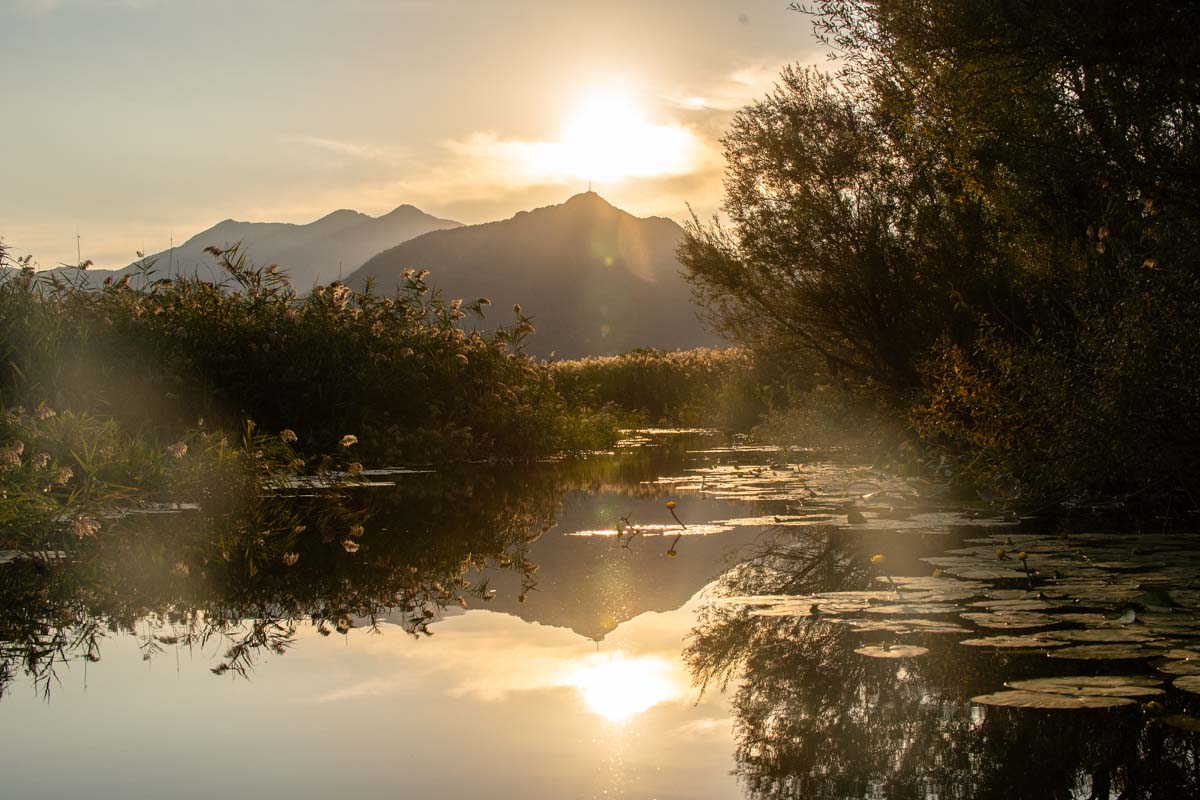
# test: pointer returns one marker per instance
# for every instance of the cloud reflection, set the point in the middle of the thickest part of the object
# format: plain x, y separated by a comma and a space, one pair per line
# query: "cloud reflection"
490, 657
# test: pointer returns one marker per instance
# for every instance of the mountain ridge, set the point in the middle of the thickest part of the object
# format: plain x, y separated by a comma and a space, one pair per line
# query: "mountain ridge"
310, 253
595, 279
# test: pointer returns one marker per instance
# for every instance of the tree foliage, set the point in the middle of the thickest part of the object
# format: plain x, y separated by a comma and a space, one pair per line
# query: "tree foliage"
1006, 191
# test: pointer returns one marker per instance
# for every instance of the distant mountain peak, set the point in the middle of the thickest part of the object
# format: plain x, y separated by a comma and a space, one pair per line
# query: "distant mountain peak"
588, 199
597, 280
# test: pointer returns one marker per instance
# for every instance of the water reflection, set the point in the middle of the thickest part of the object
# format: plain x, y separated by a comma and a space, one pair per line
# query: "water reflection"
469, 646
221, 583
617, 687
816, 719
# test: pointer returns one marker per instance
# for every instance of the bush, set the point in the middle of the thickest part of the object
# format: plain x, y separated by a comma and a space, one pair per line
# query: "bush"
405, 374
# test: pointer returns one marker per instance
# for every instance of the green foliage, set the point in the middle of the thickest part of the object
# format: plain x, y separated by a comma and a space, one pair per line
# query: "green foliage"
248, 581
699, 387
405, 374
67, 479
990, 219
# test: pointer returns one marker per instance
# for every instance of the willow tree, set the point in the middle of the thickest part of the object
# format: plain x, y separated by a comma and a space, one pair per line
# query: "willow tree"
995, 208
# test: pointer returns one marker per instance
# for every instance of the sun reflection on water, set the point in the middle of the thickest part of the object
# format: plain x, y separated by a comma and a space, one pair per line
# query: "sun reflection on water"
617, 687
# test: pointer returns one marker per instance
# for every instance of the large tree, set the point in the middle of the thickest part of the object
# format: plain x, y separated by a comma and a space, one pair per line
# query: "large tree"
993, 206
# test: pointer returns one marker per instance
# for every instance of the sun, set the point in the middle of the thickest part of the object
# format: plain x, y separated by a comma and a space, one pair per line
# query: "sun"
607, 138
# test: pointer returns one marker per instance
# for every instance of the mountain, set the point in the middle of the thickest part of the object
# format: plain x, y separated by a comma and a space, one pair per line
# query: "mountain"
319, 252
596, 280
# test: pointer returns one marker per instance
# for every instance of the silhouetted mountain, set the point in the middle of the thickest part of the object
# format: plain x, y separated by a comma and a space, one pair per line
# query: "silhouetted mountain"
595, 279
591, 584
319, 252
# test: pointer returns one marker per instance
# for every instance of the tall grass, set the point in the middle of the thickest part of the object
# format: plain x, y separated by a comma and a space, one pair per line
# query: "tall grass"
411, 375
704, 386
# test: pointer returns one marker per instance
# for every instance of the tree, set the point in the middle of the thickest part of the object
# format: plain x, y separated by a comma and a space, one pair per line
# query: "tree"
992, 210
843, 239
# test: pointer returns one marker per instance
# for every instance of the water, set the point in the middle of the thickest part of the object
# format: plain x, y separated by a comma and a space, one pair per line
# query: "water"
493, 636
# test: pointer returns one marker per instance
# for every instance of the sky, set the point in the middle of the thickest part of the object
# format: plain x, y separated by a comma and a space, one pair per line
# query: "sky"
129, 122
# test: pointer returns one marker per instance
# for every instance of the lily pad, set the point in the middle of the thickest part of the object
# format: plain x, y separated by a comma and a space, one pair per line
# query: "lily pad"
1108, 636
917, 608
892, 651
1185, 722
1012, 642
903, 626
1093, 686
1012, 605
1180, 668
1189, 683
1018, 698
1010, 619
1104, 652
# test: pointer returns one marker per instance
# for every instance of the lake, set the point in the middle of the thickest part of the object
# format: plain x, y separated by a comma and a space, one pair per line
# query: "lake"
792, 627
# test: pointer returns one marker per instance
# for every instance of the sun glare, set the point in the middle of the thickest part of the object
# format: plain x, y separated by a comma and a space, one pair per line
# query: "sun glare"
608, 138
617, 688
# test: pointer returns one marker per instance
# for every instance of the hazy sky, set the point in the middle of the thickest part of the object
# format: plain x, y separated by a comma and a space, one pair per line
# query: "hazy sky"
132, 120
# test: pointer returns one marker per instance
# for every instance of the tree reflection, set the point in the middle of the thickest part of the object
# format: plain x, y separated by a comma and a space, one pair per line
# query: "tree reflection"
249, 580
816, 719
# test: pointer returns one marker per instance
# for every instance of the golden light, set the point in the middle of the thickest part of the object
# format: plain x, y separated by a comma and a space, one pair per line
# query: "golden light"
607, 139
617, 688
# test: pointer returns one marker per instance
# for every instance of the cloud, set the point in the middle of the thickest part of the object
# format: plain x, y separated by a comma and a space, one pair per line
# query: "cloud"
731, 92
490, 657
350, 150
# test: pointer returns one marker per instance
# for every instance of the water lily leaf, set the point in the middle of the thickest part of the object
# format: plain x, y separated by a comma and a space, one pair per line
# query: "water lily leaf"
1012, 605
1185, 722
1114, 635
1024, 699
1189, 683
1014, 620
915, 608
1104, 652
892, 651
1012, 642
902, 626
1180, 668
1093, 686
1182, 654
986, 574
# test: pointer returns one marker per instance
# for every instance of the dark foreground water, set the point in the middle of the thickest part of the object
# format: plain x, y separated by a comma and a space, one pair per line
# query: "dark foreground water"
553, 632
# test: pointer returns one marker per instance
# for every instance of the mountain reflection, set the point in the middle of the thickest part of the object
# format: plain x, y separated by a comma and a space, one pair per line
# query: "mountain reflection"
815, 719
220, 583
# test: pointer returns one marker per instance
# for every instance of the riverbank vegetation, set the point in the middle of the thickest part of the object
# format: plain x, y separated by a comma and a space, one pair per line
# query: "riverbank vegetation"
724, 388
181, 390
987, 223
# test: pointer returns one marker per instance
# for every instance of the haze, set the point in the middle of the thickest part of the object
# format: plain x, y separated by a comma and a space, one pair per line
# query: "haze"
147, 119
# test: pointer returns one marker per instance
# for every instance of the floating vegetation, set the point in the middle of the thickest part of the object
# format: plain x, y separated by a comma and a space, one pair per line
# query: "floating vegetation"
1184, 722
892, 651
1188, 683
1024, 699
1180, 668
1013, 642
1117, 635
902, 626
1093, 686
654, 529
1011, 619
1104, 652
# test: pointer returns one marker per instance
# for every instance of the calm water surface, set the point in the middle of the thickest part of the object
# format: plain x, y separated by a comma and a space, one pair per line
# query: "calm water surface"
494, 637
